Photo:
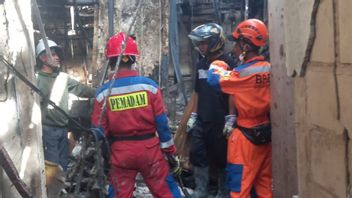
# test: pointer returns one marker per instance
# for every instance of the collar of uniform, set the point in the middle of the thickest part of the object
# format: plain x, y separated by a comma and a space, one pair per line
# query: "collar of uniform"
126, 73
256, 58
52, 75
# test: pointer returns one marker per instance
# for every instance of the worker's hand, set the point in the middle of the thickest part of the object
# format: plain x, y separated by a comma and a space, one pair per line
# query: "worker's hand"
175, 165
191, 122
98, 132
171, 150
229, 122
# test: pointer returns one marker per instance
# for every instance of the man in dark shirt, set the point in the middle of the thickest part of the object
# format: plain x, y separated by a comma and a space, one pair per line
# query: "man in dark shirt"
206, 124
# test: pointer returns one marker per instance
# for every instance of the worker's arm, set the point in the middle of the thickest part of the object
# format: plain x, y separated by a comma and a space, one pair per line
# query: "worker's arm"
162, 126
97, 110
227, 81
80, 89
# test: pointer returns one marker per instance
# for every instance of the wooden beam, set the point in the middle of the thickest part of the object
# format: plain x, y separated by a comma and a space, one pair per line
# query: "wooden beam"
182, 138
282, 108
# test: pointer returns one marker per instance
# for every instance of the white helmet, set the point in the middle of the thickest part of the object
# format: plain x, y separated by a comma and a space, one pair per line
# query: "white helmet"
41, 47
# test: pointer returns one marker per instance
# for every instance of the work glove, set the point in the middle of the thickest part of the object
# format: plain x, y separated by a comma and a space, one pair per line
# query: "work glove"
98, 132
175, 165
171, 150
191, 122
229, 122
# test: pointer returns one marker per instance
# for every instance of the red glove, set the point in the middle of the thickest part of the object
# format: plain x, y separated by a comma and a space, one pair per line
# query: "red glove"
171, 150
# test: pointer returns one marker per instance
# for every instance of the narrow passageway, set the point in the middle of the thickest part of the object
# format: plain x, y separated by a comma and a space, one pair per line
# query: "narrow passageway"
163, 89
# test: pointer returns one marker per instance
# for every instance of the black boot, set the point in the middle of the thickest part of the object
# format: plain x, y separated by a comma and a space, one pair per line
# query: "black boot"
222, 191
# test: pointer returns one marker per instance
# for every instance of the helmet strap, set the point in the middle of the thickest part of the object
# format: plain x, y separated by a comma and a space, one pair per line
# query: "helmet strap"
125, 59
54, 68
242, 56
198, 50
245, 48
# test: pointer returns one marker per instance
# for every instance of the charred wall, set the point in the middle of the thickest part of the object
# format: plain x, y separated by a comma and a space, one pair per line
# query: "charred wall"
20, 125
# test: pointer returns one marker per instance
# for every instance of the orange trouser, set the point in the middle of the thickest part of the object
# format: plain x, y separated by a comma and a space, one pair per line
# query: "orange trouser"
249, 167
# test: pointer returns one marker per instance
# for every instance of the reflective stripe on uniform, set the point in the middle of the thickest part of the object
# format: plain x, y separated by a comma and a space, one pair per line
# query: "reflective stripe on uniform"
252, 70
167, 144
126, 90
58, 89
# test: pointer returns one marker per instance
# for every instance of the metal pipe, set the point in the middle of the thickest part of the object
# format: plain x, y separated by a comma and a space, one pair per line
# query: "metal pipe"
42, 30
175, 48
265, 11
246, 9
111, 17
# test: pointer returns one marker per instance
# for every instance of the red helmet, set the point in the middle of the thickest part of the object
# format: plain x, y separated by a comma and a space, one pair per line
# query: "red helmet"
252, 29
114, 46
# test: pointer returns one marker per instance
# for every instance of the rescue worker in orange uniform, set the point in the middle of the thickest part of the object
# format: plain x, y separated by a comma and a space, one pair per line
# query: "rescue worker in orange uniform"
134, 113
249, 145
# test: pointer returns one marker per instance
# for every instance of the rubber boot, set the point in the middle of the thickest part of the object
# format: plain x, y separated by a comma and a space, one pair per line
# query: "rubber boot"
55, 179
201, 177
222, 190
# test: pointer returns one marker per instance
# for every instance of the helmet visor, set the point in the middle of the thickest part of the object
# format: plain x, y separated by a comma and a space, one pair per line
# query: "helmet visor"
197, 43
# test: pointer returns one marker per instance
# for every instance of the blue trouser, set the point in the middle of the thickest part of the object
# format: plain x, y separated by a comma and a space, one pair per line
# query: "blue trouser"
173, 186
56, 145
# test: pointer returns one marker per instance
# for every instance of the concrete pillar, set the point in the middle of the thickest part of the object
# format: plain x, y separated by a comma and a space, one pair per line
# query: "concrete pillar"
282, 108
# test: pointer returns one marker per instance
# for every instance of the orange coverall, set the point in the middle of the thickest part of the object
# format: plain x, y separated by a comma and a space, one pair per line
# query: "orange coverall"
249, 165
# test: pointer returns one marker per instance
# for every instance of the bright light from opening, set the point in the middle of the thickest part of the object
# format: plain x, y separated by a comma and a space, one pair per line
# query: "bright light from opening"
8, 112
36, 115
25, 157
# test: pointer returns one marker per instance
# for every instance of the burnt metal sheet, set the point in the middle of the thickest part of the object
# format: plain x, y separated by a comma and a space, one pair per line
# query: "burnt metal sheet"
82, 2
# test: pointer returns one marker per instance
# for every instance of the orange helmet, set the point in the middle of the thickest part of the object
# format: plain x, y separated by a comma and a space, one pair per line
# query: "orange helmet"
252, 29
114, 46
